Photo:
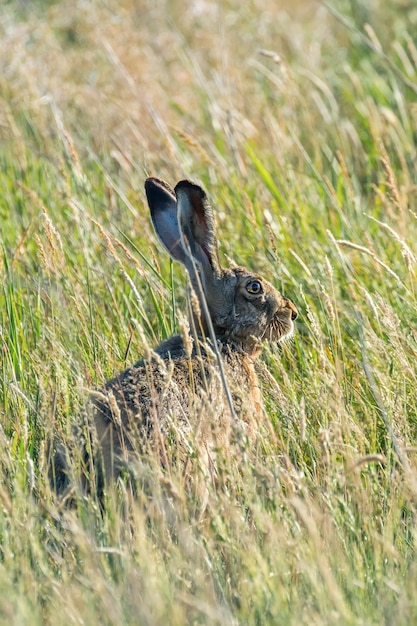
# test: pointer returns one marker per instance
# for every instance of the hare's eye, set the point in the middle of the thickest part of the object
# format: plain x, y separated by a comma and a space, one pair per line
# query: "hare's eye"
254, 287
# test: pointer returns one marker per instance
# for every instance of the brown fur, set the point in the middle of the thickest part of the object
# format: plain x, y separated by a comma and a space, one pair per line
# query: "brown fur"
177, 396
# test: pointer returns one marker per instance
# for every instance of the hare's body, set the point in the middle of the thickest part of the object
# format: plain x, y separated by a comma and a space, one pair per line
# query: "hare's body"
192, 391
174, 402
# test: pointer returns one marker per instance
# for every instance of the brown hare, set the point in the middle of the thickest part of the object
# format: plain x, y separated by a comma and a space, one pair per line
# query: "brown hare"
194, 388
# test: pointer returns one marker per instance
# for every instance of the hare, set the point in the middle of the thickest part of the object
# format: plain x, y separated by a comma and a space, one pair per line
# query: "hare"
196, 384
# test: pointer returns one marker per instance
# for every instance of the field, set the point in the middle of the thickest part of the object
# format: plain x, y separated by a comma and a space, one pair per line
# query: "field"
300, 120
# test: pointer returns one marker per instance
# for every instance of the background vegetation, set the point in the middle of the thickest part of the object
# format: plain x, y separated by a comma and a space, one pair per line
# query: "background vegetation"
300, 120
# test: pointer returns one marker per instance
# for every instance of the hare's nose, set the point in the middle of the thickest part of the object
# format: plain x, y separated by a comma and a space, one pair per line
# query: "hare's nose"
290, 305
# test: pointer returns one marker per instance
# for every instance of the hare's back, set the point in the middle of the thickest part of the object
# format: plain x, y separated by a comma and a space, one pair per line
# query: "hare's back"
175, 400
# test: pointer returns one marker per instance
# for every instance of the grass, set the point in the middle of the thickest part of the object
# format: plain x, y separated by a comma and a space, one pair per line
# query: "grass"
300, 123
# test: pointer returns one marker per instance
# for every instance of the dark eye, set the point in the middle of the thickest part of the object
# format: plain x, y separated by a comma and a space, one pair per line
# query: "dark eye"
254, 287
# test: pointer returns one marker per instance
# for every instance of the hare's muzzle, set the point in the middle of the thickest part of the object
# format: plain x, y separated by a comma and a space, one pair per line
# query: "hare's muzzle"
291, 306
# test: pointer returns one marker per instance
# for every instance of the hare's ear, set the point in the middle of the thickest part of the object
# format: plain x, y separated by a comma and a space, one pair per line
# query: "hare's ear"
163, 206
196, 225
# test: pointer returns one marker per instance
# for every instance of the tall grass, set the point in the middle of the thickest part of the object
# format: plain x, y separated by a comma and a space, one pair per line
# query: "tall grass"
300, 122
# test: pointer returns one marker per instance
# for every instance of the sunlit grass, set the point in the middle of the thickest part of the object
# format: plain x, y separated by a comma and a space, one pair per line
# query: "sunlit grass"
300, 124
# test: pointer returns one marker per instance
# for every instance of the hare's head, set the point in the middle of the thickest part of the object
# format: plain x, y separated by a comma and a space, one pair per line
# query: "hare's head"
244, 308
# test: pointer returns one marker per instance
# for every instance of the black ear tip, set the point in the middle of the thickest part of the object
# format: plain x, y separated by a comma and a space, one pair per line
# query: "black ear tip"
189, 187
152, 182
151, 189
185, 184
157, 189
